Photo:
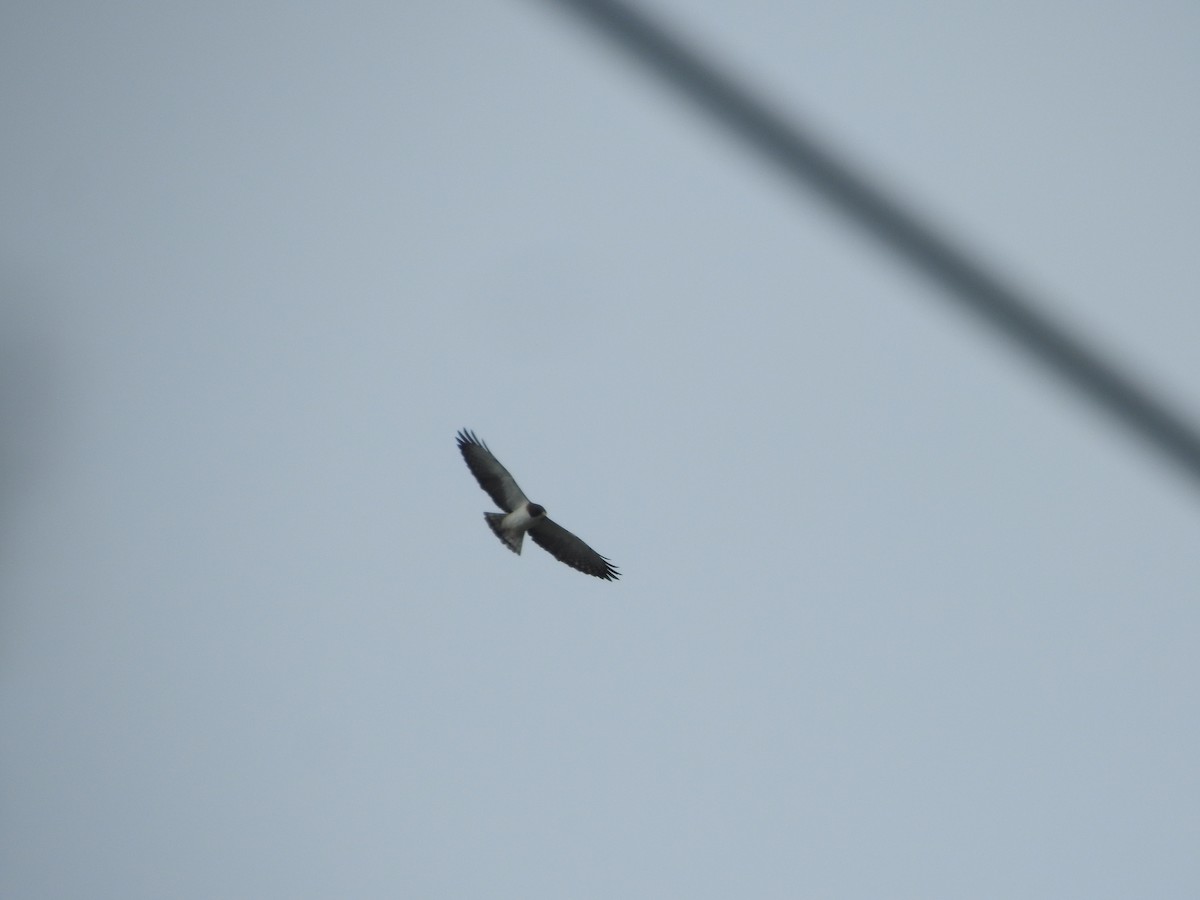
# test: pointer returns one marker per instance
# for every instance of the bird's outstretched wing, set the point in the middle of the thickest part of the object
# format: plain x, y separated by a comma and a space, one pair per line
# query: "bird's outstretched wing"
565, 547
492, 476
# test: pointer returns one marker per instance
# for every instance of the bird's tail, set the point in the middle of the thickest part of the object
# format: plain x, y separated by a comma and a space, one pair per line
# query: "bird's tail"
512, 539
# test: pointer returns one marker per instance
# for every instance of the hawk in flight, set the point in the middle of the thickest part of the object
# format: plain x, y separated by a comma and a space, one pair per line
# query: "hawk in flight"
521, 516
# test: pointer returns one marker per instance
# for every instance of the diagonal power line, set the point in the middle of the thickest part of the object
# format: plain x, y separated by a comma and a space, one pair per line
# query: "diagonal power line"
806, 161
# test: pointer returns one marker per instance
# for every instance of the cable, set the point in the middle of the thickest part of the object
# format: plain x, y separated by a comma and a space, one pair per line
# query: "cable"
803, 159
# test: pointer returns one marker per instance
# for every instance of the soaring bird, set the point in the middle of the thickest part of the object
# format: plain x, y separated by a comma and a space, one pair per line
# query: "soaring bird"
521, 516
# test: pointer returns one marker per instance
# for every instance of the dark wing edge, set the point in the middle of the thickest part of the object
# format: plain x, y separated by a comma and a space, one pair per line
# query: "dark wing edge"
567, 548
492, 477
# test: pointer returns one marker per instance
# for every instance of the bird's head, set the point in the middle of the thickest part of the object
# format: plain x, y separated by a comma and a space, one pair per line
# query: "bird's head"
536, 511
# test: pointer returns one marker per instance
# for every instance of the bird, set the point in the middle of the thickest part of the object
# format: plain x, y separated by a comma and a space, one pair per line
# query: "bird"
521, 516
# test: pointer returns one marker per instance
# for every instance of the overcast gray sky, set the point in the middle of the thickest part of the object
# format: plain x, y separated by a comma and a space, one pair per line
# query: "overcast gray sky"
899, 616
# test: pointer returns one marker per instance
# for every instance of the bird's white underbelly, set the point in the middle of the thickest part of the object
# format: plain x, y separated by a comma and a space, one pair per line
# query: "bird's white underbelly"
518, 520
